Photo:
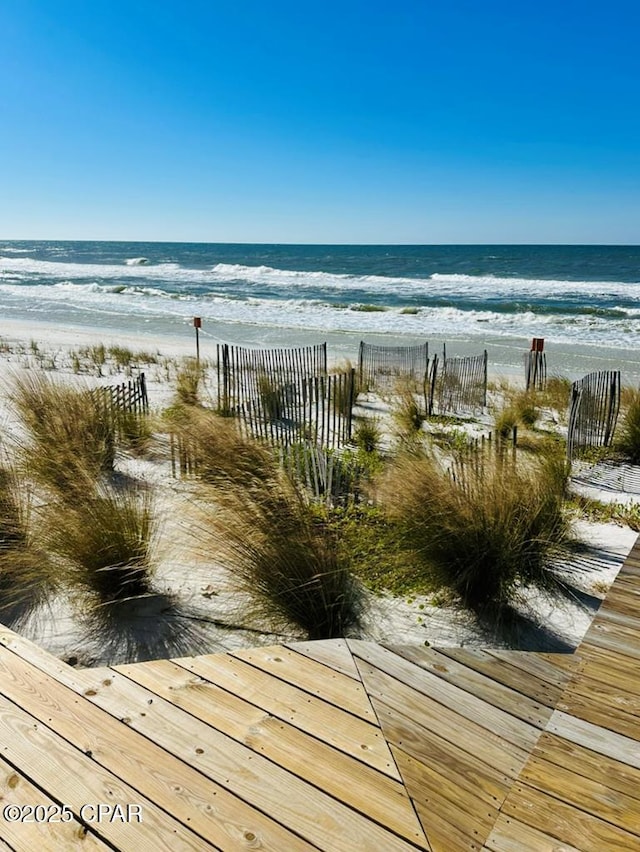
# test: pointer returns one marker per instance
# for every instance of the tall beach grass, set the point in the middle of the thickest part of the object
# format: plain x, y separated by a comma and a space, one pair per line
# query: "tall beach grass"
494, 528
70, 437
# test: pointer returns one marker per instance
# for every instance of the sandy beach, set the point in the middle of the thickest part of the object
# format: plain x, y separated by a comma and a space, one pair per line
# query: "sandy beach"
209, 617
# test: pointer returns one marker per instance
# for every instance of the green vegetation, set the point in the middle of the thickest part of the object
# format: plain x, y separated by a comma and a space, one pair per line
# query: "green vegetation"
290, 562
624, 514
71, 439
367, 435
628, 438
491, 530
105, 542
189, 381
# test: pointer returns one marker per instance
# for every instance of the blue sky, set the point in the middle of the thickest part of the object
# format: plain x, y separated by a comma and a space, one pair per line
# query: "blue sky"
415, 121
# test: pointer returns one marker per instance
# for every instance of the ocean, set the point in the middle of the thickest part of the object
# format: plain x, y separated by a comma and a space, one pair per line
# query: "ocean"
471, 296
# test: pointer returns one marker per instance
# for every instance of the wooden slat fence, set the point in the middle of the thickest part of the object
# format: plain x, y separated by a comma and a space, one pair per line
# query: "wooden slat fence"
457, 385
127, 398
593, 411
481, 451
327, 476
535, 370
318, 410
382, 365
245, 375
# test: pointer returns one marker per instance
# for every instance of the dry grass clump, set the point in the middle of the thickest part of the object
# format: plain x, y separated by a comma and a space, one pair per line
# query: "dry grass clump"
218, 452
556, 395
495, 528
71, 438
189, 381
408, 414
25, 576
367, 435
105, 546
628, 437
287, 560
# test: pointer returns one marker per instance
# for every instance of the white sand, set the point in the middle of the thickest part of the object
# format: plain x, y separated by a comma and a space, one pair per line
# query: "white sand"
189, 574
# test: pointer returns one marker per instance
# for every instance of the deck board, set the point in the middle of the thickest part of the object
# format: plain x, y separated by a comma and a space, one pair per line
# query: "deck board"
336, 745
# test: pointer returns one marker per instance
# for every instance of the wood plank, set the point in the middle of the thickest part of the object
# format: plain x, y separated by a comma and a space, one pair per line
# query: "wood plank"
54, 765
312, 677
434, 794
534, 664
612, 674
614, 695
621, 601
614, 643
469, 772
484, 688
512, 730
444, 836
360, 739
511, 835
608, 717
583, 793
570, 825
375, 795
618, 665
334, 653
303, 809
583, 761
564, 662
486, 745
611, 621
16, 789
40, 658
526, 683
219, 817
596, 738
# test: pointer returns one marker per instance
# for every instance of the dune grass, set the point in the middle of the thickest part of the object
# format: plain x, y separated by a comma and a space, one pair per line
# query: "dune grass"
288, 561
190, 378
26, 579
367, 434
71, 438
260, 523
219, 453
627, 441
408, 415
104, 544
496, 528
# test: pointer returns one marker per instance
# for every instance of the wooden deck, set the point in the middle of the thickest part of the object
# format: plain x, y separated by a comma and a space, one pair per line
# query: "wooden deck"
332, 745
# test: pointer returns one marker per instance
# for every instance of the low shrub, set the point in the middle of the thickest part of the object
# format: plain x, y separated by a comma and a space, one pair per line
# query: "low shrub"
628, 438
486, 533
71, 436
105, 546
286, 559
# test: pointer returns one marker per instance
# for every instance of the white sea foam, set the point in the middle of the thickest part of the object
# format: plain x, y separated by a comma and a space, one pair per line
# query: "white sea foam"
435, 286
136, 261
237, 293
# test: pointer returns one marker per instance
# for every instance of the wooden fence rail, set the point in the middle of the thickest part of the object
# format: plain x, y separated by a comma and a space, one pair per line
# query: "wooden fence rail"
457, 385
593, 411
127, 398
318, 410
382, 365
245, 375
